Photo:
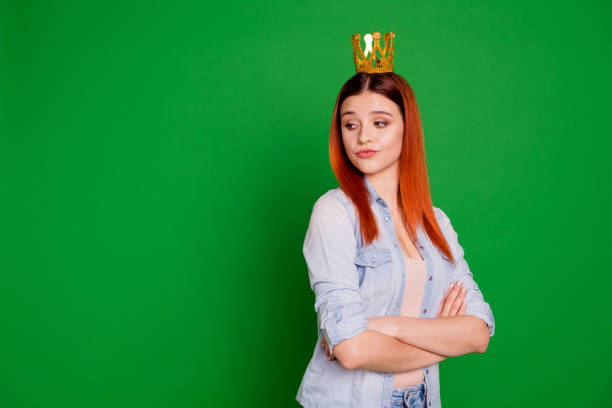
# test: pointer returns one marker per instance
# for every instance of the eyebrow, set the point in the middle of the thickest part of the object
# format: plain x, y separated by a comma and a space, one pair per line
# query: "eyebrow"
371, 113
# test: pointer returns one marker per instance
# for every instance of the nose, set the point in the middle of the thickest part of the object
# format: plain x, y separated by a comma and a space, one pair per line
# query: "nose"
364, 134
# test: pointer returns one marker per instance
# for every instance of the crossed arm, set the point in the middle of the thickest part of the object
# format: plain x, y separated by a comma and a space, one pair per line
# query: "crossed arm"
401, 343
386, 343
410, 343
377, 351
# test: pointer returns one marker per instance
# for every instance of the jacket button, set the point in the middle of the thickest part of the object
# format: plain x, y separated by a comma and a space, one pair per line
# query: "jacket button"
394, 307
430, 278
386, 218
373, 260
425, 311
427, 371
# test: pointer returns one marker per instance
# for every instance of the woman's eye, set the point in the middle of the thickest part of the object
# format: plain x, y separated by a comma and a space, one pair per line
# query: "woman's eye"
378, 123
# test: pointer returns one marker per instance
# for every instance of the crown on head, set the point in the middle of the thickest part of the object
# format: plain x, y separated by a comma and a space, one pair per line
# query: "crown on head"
363, 63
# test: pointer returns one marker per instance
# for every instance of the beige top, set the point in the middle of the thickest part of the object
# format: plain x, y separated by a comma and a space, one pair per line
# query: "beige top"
416, 271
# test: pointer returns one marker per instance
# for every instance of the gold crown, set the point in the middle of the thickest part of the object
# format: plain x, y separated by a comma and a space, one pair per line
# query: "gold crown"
382, 64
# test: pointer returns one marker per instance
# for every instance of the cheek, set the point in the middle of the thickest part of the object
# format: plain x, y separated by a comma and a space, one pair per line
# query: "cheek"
393, 142
349, 146
345, 136
398, 134
347, 142
391, 154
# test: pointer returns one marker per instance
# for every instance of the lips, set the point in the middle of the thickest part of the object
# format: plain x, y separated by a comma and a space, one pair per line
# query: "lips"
366, 153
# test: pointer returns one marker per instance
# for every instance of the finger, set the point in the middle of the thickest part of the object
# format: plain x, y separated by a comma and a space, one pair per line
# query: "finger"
327, 351
451, 298
450, 287
457, 303
462, 308
445, 306
444, 298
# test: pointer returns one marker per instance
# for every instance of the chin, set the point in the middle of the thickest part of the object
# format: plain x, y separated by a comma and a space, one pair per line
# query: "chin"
369, 171
369, 166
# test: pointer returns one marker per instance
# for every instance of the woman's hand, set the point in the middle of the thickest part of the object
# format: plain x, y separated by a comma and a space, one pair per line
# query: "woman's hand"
324, 345
452, 303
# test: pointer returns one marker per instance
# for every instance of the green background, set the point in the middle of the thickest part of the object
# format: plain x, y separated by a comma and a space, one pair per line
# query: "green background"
160, 161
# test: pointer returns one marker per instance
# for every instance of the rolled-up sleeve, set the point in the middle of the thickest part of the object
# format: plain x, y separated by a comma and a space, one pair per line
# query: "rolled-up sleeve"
329, 250
476, 305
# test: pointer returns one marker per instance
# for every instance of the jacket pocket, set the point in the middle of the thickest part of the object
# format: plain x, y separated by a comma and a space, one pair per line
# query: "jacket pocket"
373, 257
374, 267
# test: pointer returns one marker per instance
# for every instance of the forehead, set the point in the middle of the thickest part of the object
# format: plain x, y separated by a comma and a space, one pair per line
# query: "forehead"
365, 103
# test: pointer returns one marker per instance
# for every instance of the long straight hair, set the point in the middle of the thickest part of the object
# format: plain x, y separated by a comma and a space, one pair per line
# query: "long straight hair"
414, 198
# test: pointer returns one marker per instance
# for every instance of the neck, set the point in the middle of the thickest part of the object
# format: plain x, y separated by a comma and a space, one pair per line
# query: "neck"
386, 184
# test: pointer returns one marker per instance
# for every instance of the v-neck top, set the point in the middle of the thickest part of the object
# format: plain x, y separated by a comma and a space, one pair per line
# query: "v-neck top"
411, 304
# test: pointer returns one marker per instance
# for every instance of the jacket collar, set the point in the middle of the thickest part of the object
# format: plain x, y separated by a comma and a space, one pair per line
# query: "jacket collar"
375, 197
372, 194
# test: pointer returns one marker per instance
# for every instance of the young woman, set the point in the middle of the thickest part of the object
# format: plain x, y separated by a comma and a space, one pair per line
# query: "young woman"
394, 294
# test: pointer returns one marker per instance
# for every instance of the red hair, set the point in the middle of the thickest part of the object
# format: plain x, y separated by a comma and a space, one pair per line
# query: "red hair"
414, 199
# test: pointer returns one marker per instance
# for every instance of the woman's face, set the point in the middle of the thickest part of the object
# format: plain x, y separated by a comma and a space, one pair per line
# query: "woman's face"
371, 121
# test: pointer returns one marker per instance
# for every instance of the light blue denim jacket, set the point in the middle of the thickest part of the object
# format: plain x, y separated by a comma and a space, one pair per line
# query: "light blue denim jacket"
353, 282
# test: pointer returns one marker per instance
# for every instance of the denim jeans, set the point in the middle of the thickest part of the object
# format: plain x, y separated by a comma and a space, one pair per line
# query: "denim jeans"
410, 397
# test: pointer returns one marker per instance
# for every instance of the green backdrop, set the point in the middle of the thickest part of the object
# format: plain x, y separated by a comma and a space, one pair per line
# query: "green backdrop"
160, 161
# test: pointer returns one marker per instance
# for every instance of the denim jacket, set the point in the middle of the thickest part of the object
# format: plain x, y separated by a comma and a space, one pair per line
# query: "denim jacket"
353, 282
